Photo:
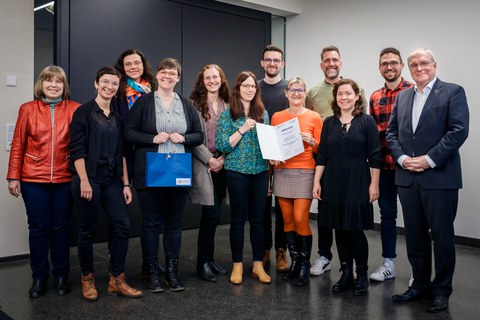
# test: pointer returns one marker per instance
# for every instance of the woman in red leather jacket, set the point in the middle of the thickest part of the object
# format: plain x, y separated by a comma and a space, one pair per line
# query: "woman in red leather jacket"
38, 170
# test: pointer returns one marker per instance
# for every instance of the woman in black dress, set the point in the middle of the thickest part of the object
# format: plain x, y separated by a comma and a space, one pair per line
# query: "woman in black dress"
349, 162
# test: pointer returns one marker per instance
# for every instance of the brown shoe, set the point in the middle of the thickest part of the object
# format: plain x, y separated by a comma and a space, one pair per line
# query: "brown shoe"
281, 259
89, 291
237, 273
266, 258
118, 286
259, 272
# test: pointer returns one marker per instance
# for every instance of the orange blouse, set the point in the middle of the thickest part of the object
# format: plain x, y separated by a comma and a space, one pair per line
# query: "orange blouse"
310, 122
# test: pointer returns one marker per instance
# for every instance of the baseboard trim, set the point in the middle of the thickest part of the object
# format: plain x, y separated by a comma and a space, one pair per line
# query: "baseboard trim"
14, 258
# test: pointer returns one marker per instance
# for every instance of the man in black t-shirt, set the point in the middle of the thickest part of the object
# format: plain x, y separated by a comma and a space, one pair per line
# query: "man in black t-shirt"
272, 88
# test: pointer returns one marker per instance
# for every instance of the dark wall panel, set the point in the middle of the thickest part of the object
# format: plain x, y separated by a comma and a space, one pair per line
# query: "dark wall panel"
101, 29
231, 40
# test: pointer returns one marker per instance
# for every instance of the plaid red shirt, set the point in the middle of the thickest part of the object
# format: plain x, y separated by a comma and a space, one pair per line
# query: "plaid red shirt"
381, 106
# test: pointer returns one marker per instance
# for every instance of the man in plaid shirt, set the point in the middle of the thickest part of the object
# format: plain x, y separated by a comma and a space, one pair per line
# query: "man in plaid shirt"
381, 106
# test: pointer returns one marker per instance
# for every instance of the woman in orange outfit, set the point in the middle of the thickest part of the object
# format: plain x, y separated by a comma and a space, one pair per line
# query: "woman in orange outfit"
293, 179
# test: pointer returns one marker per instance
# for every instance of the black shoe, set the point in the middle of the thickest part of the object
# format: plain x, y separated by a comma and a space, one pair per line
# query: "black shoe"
305, 250
146, 271
409, 295
346, 279
172, 277
38, 289
206, 273
61, 286
361, 283
439, 303
154, 283
217, 269
294, 270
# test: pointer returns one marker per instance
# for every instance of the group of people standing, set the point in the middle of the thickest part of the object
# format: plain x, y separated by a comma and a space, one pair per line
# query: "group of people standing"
63, 152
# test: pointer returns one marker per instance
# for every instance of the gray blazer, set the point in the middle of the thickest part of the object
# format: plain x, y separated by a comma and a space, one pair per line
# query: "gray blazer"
202, 184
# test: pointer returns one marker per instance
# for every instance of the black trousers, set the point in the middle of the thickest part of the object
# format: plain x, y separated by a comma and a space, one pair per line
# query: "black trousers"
434, 210
280, 241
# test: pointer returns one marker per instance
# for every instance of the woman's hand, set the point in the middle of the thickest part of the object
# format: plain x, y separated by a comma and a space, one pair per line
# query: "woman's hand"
317, 190
248, 125
14, 188
275, 162
127, 194
86, 191
215, 164
307, 137
162, 137
177, 138
374, 192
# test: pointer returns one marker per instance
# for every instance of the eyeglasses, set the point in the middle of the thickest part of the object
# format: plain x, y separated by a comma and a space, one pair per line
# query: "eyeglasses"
422, 64
169, 73
248, 86
393, 64
107, 83
130, 64
269, 61
300, 91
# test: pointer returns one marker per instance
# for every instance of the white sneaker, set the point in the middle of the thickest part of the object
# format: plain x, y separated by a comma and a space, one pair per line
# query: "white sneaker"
320, 266
383, 273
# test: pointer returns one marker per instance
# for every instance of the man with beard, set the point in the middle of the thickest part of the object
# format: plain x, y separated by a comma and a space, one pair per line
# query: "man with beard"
381, 106
321, 97
273, 87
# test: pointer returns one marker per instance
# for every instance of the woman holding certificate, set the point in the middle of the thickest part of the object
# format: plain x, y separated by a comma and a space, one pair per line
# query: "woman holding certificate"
349, 162
293, 180
162, 122
246, 171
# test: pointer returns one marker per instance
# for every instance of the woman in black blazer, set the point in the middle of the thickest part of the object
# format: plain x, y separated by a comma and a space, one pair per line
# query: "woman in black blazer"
163, 122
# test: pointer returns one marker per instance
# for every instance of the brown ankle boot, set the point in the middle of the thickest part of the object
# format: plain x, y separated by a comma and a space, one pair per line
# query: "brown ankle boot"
118, 286
259, 272
281, 260
237, 273
89, 291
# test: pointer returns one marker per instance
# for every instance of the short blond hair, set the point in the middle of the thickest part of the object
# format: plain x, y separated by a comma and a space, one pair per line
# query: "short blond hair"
48, 73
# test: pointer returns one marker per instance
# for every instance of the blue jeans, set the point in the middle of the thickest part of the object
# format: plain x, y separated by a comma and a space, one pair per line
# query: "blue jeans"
48, 208
162, 206
107, 193
210, 219
388, 213
247, 200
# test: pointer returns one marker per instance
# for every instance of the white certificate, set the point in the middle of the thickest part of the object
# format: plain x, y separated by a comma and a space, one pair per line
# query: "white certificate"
280, 142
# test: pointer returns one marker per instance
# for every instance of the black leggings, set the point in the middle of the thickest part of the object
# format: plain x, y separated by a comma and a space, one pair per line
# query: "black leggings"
352, 244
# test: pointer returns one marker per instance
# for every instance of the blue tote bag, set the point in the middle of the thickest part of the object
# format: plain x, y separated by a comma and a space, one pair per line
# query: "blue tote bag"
168, 170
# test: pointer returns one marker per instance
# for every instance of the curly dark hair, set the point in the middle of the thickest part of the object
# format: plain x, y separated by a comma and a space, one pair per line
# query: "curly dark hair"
257, 109
147, 72
199, 93
359, 104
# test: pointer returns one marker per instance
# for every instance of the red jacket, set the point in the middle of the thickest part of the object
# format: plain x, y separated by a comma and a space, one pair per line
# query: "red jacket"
39, 151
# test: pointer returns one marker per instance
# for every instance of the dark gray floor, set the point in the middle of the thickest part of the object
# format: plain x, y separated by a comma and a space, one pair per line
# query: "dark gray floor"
202, 300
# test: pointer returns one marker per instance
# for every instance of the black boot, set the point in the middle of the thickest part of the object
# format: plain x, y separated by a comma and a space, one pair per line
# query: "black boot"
154, 283
294, 270
39, 288
172, 275
146, 268
205, 272
346, 280
305, 251
361, 282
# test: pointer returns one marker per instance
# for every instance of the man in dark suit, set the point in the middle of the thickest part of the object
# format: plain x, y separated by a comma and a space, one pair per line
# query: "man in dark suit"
428, 125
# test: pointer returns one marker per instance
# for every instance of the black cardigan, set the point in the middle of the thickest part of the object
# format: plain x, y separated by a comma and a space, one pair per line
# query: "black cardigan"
141, 128
83, 143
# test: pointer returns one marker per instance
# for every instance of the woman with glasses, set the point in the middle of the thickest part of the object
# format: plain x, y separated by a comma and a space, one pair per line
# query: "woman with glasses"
136, 80
210, 96
293, 180
163, 122
38, 170
100, 178
349, 162
246, 171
